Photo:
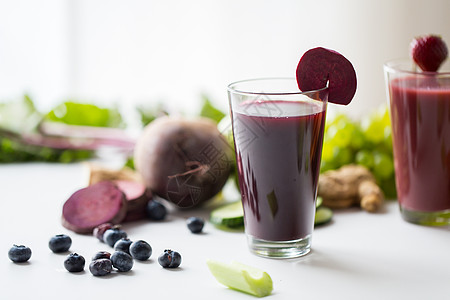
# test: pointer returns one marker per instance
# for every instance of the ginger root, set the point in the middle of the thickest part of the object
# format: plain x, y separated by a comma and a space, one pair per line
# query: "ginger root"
99, 173
349, 186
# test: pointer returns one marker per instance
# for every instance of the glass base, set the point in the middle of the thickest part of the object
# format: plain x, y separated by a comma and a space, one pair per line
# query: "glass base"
438, 218
279, 249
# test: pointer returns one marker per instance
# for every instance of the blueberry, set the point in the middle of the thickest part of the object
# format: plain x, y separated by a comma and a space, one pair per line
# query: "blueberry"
100, 267
122, 261
99, 231
74, 262
169, 259
60, 243
101, 255
112, 235
195, 224
19, 253
156, 210
140, 250
123, 245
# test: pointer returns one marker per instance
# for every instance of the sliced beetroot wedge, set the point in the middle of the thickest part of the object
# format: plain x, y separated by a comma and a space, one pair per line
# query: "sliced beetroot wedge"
137, 196
135, 192
94, 205
319, 66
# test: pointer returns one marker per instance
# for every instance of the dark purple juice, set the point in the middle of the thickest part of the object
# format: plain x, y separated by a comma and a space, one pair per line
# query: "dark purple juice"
420, 111
278, 150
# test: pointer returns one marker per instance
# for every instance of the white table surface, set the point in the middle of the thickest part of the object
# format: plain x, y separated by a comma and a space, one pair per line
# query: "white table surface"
358, 256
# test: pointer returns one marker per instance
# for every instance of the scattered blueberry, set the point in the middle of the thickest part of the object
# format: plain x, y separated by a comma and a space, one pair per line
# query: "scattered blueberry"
140, 250
169, 259
156, 210
123, 245
122, 261
74, 262
60, 243
99, 231
100, 267
101, 255
19, 253
195, 224
112, 235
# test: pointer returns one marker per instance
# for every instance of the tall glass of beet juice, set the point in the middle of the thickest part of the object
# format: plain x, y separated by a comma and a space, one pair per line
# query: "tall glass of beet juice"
278, 135
420, 117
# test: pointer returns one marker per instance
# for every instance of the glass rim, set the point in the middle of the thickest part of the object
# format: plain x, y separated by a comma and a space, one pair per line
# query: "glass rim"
231, 87
398, 66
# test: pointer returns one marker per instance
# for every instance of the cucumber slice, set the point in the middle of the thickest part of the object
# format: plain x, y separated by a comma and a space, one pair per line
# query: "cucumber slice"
319, 202
230, 215
242, 277
323, 215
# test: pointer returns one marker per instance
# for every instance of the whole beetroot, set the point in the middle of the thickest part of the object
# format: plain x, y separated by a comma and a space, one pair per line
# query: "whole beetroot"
186, 161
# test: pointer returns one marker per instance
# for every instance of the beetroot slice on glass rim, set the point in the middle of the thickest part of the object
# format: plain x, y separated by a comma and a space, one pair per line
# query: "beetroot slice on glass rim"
319, 66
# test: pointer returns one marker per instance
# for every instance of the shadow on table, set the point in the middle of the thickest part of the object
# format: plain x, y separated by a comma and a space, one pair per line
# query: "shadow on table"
332, 261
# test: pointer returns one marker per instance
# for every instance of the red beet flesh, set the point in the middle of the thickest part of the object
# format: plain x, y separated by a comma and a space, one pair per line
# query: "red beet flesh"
94, 205
137, 196
319, 66
135, 192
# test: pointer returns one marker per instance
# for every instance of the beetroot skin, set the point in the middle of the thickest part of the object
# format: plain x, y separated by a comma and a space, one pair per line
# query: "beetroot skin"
319, 66
186, 161
94, 205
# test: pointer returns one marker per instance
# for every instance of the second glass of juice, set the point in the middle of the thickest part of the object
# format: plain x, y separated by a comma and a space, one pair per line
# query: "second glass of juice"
420, 117
278, 135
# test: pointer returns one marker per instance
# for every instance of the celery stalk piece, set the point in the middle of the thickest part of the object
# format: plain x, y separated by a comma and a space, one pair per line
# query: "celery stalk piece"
242, 277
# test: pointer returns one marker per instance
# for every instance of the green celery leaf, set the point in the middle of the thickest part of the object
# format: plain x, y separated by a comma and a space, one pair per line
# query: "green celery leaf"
211, 112
150, 113
74, 113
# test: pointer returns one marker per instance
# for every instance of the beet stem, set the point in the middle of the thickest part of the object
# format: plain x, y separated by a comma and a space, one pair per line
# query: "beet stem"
200, 168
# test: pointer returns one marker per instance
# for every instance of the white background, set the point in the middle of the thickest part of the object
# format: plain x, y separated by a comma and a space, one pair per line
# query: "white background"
139, 52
